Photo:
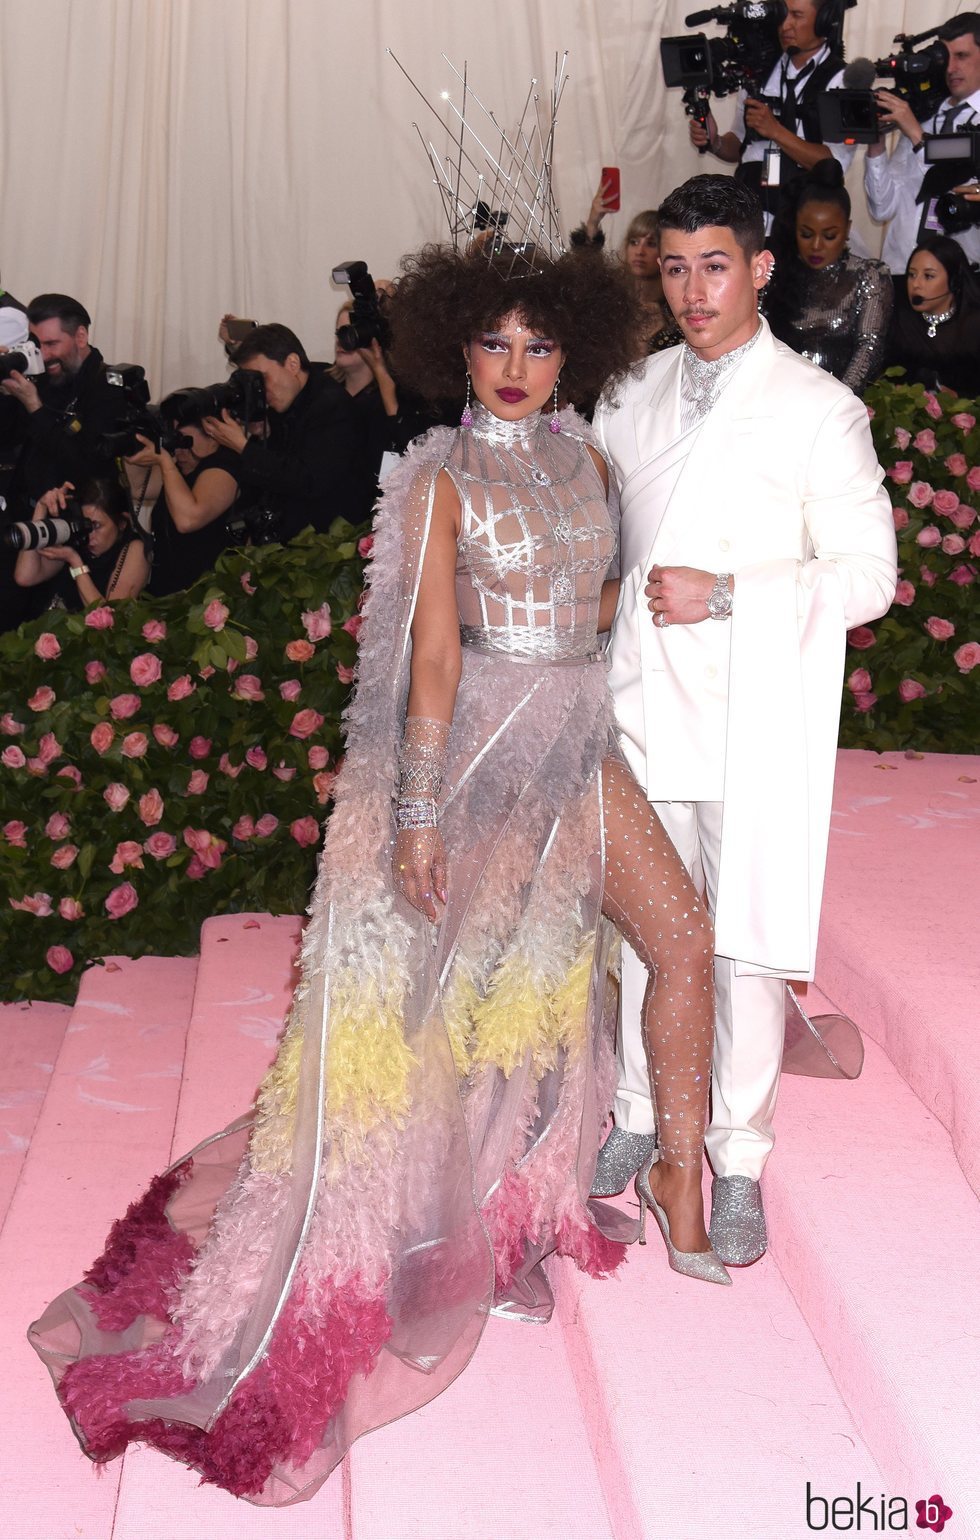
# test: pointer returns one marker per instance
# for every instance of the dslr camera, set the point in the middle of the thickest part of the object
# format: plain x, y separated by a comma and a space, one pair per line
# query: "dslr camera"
742, 59
25, 358
952, 159
241, 395
69, 528
367, 319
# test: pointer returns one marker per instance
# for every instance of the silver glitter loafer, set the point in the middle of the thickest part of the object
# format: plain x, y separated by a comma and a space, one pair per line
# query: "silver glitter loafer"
738, 1221
705, 1265
620, 1158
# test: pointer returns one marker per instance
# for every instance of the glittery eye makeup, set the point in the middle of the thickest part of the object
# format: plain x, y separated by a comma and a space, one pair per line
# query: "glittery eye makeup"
537, 347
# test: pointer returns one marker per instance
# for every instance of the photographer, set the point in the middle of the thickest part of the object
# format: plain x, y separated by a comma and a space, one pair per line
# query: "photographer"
72, 405
312, 467
774, 147
190, 522
902, 187
108, 562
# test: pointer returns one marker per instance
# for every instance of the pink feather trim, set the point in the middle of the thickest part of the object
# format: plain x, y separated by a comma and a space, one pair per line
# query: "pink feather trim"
144, 1259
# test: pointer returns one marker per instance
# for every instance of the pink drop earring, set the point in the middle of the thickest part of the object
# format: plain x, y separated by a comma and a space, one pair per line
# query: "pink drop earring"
554, 425
466, 420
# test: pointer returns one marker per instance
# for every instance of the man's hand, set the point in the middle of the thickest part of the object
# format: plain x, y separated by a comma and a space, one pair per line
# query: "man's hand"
23, 390
762, 119
680, 594
52, 504
226, 431
703, 135
895, 112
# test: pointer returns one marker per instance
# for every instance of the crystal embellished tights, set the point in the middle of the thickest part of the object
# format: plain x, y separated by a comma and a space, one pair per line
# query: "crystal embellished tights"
650, 898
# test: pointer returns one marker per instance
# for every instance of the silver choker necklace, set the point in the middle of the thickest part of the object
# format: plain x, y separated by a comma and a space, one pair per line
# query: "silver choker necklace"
497, 430
706, 377
934, 322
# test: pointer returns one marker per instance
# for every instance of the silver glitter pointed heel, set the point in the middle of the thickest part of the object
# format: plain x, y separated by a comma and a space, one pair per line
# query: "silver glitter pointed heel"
693, 1264
738, 1220
620, 1158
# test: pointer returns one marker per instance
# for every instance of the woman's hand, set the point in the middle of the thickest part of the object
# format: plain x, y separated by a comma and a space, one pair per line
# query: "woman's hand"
419, 864
148, 455
52, 505
62, 553
226, 431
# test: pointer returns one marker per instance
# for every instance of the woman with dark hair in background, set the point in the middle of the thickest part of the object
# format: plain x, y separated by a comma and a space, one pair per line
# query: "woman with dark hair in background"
110, 563
935, 333
823, 301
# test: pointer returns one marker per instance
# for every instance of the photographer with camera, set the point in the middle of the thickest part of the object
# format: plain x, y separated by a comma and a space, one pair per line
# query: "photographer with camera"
104, 555
311, 467
775, 138
902, 187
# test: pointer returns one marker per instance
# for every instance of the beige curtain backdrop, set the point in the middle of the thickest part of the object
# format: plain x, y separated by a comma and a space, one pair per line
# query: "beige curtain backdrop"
167, 160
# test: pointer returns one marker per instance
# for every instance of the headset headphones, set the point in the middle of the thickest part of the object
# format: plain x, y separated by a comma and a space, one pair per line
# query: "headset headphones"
829, 19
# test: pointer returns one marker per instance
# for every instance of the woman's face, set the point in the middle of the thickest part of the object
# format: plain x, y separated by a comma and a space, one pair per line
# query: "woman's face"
928, 284
105, 533
643, 255
513, 369
821, 233
202, 445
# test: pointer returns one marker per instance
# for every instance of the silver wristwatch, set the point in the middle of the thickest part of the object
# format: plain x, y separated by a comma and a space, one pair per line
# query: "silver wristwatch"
719, 601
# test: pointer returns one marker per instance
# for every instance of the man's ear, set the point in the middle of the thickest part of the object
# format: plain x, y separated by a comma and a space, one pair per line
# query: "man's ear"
763, 264
293, 363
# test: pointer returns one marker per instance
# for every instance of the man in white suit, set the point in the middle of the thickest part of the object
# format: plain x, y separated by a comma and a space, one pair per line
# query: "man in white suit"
755, 533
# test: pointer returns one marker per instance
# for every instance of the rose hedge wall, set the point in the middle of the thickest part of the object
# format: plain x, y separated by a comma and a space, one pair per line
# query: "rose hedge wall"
165, 760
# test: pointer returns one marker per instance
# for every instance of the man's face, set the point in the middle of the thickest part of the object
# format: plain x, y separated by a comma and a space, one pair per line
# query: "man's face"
963, 69
712, 287
63, 352
283, 382
796, 33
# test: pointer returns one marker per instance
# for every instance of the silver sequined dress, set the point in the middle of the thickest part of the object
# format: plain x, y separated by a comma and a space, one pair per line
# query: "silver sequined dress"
838, 317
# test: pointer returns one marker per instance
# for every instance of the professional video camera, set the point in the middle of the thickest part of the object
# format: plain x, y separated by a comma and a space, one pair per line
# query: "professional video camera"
70, 528
919, 78
367, 319
851, 116
25, 358
742, 59
952, 159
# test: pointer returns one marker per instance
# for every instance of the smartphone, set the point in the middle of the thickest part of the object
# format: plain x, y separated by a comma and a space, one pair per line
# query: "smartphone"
238, 328
610, 188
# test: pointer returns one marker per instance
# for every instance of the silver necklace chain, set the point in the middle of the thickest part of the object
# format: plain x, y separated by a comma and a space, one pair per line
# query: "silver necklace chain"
707, 377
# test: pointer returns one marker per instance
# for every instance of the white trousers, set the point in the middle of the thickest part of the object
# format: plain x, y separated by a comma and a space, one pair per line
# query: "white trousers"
749, 1023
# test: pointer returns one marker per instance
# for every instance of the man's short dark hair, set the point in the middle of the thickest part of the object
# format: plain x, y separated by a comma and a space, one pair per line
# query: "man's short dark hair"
58, 307
959, 26
715, 200
272, 341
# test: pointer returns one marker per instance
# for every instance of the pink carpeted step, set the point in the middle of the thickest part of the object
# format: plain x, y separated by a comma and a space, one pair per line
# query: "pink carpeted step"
898, 936
30, 1038
104, 1129
877, 1232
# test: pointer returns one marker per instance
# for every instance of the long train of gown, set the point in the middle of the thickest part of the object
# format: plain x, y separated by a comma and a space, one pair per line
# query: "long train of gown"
428, 1131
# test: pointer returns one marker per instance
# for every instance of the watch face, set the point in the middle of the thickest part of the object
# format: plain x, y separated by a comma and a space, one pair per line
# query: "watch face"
719, 604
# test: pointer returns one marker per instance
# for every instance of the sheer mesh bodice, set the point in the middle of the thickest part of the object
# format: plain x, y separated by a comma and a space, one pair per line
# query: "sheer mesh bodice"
535, 542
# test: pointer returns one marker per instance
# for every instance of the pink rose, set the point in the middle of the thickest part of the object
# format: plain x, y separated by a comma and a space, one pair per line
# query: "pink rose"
945, 502
71, 773
964, 420
266, 825
927, 576
963, 517
37, 766
911, 689
353, 625
59, 959
290, 689
925, 442
317, 757
305, 831
967, 656
13, 758
135, 745
9, 725
862, 637
205, 672
933, 408
199, 748
215, 615
94, 671
974, 544
865, 701
244, 828
283, 772
124, 706
70, 909
47, 647
953, 545
365, 545
195, 869
256, 757
323, 785
905, 592
64, 857
14, 833
973, 478
181, 688
956, 464
101, 619
122, 900
920, 494
145, 669
58, 826
206, 847
940, 630
929, 536
164, 735
248, 687
160, 846
116, 796
305, 723
48, 749
317, 623
101, 737
300, 651
345, 674
859, 683
198, 783
901, 472
38, 904
246, 582
150, 807
962, 575
251, 649
903, 438
155, 631
227, 768
127, 853
232, 666
42, 699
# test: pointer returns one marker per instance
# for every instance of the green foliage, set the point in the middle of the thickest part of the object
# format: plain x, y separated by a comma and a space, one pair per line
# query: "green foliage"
162, 800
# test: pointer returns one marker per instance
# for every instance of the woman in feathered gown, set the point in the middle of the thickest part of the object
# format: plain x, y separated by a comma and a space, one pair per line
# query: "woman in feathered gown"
428, 1131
